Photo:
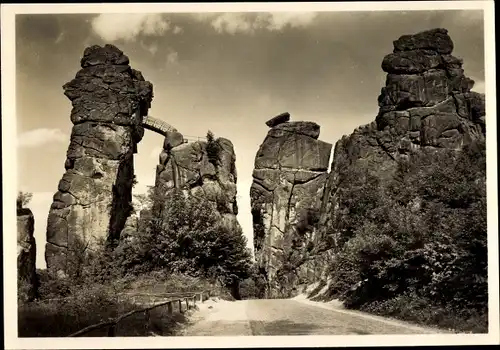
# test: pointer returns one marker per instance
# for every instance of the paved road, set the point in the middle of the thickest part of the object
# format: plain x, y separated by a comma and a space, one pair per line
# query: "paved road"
290, 317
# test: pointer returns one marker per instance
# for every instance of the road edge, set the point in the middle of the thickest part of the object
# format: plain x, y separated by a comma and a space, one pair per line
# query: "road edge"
383, 319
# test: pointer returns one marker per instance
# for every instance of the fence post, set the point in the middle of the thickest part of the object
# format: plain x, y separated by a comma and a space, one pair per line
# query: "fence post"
187, 303
111, 330
180, 305
169, 306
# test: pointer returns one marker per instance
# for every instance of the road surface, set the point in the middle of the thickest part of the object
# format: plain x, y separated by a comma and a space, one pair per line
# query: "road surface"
290, 317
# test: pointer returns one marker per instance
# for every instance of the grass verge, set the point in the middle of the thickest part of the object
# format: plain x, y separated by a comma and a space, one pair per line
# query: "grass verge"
426, 313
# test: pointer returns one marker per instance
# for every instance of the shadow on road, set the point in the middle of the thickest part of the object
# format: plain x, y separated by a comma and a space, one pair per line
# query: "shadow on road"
281, 327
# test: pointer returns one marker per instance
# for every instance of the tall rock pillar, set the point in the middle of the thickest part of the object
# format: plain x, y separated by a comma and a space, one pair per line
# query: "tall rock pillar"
426, 105
288, 183
109, 99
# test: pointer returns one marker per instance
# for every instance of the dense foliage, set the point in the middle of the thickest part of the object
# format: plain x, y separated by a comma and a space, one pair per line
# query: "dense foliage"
67, 305
183, 247
187, 236
418, 243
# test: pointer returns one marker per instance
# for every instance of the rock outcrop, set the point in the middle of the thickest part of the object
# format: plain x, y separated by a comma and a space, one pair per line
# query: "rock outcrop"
205, 169
109, 99
427, 103
26, 252
289, 178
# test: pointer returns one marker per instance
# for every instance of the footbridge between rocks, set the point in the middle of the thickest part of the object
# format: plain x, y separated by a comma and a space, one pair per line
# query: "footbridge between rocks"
157, 125
160, 127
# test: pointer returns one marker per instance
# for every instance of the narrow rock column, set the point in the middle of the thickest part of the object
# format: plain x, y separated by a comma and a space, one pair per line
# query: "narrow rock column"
94, 195
288, 183
26, 251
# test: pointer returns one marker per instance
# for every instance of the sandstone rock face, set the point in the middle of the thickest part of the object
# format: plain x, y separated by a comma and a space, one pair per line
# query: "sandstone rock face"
188, 166
426, 103
289, 178
26, 252
109, 99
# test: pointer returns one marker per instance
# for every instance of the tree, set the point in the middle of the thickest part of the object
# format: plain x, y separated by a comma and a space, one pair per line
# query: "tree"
145, 200
213, 148
188, 237
422, 234
23, 199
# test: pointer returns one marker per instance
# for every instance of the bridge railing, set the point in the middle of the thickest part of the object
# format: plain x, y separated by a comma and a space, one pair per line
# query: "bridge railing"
157, 125
191, 138
180, 301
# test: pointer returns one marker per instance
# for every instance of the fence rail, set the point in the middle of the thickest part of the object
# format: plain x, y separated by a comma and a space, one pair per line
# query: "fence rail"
189, 298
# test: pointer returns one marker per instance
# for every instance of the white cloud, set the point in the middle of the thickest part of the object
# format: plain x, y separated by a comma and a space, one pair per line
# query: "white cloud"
172, 57
177, 30
127, 26
153, 49
232, 23
247, 23
37, 137
279, 20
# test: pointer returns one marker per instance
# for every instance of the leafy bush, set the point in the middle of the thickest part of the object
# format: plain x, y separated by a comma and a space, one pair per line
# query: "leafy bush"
67, 308
185, 248
67, 305
249, 289
188, 237
415, 308
418, 243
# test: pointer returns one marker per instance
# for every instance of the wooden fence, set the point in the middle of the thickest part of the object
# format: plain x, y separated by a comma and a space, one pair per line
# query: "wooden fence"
184, 301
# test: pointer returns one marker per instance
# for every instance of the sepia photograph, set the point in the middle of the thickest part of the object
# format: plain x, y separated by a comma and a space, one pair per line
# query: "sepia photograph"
260, 174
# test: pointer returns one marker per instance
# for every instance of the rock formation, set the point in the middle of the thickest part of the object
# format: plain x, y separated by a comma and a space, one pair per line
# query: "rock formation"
426, 103
196, 168
289, 177
26, 252
109, 99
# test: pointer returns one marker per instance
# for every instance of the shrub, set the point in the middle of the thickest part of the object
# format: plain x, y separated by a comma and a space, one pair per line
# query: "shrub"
188, 238
417, 245
249, 289
66, 308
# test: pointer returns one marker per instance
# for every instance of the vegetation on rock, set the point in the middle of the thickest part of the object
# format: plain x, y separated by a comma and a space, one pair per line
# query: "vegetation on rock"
186, 238
416, 247
23, 198
213, 148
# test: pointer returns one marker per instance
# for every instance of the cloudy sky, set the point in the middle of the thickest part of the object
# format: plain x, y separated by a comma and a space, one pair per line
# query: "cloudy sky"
227, 72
